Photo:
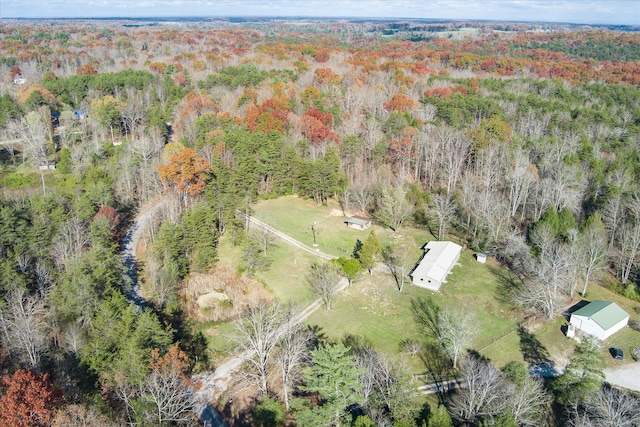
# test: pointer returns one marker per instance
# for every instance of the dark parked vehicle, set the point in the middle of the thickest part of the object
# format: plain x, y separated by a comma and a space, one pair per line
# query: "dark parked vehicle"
616, 353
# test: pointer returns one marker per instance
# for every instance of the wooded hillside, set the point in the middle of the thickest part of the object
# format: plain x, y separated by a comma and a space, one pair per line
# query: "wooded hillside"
522, 142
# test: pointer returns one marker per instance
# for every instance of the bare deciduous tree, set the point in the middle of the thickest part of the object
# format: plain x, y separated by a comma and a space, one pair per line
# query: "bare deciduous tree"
454, 149
66, 128
125, 186
24, 325
520, 178
147, 147
549, 278
629, 248
609, 408
483, 394
399, 259
293, 352
71, 241
76, 415
73, 338
592, 250
166, 395
345, 201
393, 207
171, 397
324, 279
148, 182
526, 401
33, 131
429, 160
257, 337
389, 391
612, 216
543, 238
262, 236
453, 327
43, 276
362, 196
565, 186
132, 114
457, 327
443, 208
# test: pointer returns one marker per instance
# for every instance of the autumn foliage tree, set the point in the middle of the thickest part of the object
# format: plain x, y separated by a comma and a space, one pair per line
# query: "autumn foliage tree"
110, 214
271, 115
29, 400
87, 69
314, 125
326, 76
186, 172
489, 131
400, 103
14, 72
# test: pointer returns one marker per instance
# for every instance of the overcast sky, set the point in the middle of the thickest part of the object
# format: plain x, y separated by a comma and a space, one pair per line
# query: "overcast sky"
575, 11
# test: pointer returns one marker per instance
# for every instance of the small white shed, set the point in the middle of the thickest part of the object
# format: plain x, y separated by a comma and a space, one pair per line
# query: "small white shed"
436, 263
358, 222
600, 319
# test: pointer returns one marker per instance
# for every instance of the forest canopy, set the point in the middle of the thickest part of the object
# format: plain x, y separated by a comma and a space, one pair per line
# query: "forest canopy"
522, 142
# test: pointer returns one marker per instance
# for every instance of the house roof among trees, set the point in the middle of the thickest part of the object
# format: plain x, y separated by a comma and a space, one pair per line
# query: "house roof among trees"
604, 313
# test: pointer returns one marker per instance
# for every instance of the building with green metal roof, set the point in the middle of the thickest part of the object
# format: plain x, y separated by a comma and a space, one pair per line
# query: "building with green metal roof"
358, 222
600, 319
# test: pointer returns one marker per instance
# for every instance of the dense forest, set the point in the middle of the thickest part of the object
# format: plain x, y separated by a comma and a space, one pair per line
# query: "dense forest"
519, 142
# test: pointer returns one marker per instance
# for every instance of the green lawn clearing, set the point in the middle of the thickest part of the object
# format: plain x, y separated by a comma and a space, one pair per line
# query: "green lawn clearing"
373, 309
286, 276
219, 344
299, 217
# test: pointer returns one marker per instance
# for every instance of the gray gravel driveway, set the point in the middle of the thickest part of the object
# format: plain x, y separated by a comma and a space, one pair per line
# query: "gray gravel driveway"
627, 376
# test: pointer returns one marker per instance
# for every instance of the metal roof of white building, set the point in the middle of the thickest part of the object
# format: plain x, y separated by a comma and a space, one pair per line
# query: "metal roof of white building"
438, 260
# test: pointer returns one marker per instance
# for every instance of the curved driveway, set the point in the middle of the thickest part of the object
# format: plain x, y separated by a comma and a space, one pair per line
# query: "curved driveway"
214, 383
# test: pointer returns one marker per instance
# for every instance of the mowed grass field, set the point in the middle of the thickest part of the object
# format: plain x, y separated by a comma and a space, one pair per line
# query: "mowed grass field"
298, 217
372, 308
375, 310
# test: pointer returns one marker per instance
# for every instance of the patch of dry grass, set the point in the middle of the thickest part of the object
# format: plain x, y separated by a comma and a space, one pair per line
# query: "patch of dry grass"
221, 294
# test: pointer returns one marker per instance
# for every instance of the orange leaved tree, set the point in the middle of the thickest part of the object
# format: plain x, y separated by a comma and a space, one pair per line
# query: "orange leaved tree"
186, 172
30, 400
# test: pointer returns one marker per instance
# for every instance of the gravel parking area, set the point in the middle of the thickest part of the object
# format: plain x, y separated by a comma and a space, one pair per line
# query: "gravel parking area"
627, 376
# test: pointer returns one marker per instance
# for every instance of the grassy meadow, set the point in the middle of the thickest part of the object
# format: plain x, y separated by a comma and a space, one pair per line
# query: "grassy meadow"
373, 309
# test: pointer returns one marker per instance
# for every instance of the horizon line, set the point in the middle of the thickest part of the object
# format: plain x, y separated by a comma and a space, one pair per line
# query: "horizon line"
328, 17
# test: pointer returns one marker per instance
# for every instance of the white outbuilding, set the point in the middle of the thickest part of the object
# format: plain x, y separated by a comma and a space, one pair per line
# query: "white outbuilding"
600, 319
436, 263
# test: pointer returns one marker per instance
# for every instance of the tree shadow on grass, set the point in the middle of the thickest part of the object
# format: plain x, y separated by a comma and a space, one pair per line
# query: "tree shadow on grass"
535, 354
508, 284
